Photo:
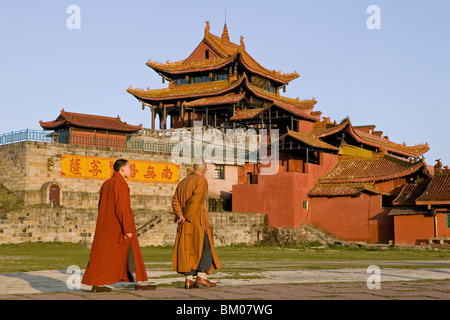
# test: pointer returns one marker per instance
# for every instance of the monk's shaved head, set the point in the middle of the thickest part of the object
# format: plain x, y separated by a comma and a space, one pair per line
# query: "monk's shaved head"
200, 167
119, 164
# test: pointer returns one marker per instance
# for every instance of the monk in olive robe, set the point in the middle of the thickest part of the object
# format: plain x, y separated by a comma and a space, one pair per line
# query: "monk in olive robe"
116, 255
194, 252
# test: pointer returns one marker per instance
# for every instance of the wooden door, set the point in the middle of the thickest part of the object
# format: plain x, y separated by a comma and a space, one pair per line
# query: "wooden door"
54, 195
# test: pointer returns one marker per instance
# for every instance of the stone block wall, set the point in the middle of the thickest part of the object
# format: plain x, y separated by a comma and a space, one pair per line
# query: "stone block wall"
78, 226
28, 177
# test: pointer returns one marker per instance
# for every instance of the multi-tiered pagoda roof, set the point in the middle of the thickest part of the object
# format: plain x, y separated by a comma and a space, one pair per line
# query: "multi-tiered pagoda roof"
221, 84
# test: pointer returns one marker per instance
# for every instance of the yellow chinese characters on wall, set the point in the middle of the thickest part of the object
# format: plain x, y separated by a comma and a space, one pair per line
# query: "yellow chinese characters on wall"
83, 167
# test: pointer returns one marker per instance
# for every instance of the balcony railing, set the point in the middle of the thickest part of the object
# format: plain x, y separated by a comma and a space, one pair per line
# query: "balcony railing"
137, 142
98, 142
25, 135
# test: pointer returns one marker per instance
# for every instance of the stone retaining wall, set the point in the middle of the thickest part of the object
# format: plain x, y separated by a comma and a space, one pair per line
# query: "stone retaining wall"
78, 226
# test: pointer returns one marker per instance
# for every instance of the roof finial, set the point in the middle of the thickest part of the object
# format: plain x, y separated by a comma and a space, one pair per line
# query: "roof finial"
242, 43
225, 35
207, 28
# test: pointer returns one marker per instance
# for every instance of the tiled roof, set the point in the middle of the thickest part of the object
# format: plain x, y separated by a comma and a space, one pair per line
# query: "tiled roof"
370, 170
230, 98
184, 66
407, 210
343, 190
215, 88
410, 192
196, 90
322, 130
437, 192
379, 142
299, 104
229, 53
309, 140
89, 121
247, 114
229, 48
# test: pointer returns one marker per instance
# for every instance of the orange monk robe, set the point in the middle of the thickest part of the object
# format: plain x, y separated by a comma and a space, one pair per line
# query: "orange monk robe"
109, 253
190, 201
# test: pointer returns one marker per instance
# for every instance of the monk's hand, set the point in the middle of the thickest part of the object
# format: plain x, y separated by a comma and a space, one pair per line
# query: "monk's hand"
180, 219
128, 236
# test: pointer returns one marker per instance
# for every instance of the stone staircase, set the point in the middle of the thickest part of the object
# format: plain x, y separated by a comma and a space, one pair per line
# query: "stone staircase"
321, 235
149, 225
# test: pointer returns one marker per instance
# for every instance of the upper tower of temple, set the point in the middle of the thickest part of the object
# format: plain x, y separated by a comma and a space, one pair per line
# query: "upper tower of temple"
216, 82
217, 58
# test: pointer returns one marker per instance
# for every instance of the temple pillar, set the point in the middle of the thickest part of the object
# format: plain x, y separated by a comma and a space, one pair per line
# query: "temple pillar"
164, 126
153, 117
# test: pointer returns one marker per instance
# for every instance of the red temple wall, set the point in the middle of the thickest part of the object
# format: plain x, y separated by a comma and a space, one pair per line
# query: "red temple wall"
353, 218
417, 229
199, 52
281, 196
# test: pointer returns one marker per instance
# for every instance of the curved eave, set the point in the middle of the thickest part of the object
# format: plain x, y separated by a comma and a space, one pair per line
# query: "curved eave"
215, 89
390, 146
283, 79
309, 140
190, 68
338, 128
284, 105
53, 125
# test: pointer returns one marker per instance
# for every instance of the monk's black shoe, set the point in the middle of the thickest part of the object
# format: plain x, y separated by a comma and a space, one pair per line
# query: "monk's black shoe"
101, 289
144, 287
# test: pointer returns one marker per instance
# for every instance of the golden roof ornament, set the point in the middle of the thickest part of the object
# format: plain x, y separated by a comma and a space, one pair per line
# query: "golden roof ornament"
207, 28
225, 35
242, 43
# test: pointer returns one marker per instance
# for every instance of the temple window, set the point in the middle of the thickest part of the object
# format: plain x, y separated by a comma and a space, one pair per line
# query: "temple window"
201, 79
180, 81
219, 171
222, 77
269, 87
206, 54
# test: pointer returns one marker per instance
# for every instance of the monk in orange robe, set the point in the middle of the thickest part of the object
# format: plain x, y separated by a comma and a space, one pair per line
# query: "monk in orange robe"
116, 255
194, 252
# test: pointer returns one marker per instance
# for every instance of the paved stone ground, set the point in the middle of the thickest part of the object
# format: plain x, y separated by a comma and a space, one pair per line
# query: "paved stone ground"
337, 284
403, 290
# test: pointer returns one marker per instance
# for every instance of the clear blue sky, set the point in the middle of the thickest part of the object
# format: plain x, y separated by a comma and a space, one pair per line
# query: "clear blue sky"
397, 77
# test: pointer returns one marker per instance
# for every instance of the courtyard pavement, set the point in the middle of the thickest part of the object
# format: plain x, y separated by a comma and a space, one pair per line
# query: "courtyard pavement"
428, 283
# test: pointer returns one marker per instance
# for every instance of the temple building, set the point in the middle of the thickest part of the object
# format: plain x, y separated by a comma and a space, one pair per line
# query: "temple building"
422, 210
90, 130
223, 86
341, 177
